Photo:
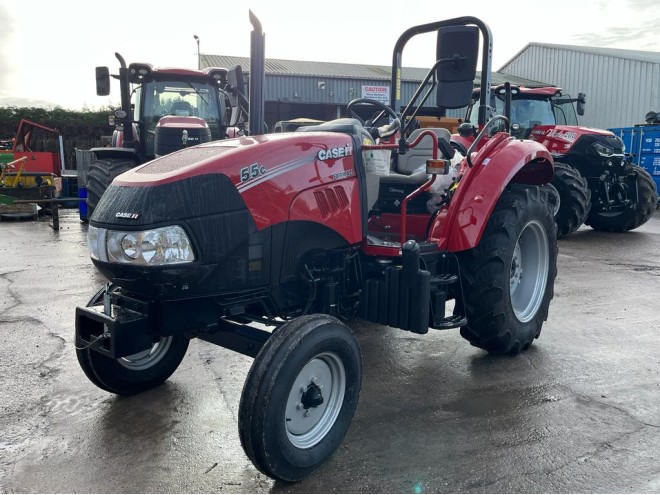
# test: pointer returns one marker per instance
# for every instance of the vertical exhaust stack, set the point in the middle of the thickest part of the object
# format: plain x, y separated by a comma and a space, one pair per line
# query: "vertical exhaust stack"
257, 77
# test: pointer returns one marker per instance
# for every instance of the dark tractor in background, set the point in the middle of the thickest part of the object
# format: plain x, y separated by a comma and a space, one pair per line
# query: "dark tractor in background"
162, 110
595, 184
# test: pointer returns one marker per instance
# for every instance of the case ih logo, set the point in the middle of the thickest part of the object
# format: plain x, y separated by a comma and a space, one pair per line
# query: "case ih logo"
334, 153
564, 135
129, 216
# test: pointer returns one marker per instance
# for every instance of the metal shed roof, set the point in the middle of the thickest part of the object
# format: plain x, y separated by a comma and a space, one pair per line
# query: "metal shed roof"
278, 67
638, 55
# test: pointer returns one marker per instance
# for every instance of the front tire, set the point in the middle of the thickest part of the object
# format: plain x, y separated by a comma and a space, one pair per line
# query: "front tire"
508, 279
131, 374
629, 218
300, 396
574, 199
99, 177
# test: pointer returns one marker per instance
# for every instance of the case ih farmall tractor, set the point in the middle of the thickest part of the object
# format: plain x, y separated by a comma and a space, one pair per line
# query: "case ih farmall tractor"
594, 182
162, 110
269, 244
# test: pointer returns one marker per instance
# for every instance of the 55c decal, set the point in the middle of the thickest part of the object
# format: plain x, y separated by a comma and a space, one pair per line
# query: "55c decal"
252, 172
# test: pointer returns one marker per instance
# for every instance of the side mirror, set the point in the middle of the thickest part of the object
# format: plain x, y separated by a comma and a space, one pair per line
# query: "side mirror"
581, 102
102, 81
457, 54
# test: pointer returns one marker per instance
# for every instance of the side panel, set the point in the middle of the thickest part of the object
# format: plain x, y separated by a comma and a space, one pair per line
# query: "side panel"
510, 160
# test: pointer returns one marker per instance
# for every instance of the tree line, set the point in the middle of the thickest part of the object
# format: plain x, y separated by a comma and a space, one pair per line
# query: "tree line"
81, 129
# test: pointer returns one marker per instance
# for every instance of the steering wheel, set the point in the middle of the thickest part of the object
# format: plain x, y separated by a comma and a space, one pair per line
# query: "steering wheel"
350, 108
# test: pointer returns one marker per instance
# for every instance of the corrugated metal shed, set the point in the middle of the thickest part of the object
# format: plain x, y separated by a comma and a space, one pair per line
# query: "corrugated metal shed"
326, 82
621, 85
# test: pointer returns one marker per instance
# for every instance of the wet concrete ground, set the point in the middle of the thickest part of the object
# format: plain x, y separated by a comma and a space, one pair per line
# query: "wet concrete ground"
578, 412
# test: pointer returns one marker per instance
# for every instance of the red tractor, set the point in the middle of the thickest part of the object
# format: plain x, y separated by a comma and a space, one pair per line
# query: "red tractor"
162, 110
594, 182
269, 244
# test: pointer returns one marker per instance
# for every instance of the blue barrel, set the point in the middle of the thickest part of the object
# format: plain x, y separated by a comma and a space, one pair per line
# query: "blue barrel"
82, 203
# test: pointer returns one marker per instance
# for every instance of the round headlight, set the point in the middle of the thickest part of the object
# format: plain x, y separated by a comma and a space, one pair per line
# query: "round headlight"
129, 245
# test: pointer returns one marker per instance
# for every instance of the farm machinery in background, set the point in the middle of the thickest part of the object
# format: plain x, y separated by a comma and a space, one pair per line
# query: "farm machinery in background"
595, 183
163, 110
28, 177
269, 244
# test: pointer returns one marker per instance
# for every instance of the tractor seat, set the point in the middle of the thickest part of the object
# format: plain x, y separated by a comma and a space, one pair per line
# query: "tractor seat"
411, 167
182, 109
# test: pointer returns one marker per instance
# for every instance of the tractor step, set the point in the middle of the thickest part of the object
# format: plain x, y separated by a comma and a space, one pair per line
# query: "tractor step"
449, 322
443, 280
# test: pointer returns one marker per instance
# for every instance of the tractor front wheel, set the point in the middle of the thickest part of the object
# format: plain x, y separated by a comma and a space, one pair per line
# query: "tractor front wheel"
622, 220
574, 199
508, 279
131, 374
100, 175
300, 396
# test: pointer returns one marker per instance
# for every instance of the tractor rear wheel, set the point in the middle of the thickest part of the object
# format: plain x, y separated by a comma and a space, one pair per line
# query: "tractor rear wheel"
634, 216
300, 396
508, 279
131, 374
574, 199
100, 175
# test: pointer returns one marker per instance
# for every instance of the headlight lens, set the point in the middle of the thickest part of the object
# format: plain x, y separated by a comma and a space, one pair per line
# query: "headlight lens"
603, 150
156, 247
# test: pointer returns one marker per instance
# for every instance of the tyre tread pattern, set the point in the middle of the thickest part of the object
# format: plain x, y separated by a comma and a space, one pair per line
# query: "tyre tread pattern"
575, 199
492, 325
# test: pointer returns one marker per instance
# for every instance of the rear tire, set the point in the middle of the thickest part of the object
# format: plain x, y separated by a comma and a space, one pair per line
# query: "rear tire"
131, 374
284, 431
508, 279
630, 218
100, 175
574, 199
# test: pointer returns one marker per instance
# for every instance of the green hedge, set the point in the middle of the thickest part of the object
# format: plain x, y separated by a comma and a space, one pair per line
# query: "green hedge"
79, 129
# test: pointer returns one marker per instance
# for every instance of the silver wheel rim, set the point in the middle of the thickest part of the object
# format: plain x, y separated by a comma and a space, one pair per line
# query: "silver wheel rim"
529, 271
146, 359
307, 427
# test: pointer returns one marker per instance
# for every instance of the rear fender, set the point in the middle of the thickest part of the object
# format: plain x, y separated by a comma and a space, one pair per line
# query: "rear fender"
503, 160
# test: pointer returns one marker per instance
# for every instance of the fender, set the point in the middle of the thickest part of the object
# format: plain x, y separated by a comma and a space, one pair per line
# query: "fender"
502, 160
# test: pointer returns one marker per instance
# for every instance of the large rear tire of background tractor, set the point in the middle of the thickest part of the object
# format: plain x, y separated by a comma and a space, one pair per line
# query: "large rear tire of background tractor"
131, 374
508, 279
300, 396
633, 217
574, 199
100, 175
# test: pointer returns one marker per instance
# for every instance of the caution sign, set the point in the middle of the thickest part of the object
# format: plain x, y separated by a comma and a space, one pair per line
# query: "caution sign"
378, 93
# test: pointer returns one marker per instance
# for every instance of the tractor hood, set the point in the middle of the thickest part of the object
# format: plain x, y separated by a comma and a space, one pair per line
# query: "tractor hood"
561, 138
263, 173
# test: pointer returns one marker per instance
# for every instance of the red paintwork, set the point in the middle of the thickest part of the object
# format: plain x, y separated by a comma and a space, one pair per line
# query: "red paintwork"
561, 138
501, 160
293, 173
298, 185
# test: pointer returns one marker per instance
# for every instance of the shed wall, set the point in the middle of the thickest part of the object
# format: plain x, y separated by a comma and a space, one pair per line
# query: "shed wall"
620, 91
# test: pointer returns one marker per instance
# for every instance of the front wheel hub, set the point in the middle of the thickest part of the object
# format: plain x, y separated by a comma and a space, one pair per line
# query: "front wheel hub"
312, 397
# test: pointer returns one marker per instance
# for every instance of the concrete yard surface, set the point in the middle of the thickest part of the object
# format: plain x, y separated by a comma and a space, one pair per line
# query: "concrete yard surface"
577, 413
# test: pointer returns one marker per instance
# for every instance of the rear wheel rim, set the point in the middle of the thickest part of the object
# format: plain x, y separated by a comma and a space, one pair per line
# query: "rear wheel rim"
529, 271
307, 426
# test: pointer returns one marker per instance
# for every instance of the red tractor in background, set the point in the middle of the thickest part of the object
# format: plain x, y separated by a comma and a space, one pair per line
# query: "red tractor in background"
162, 110
268, 244
594, 182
